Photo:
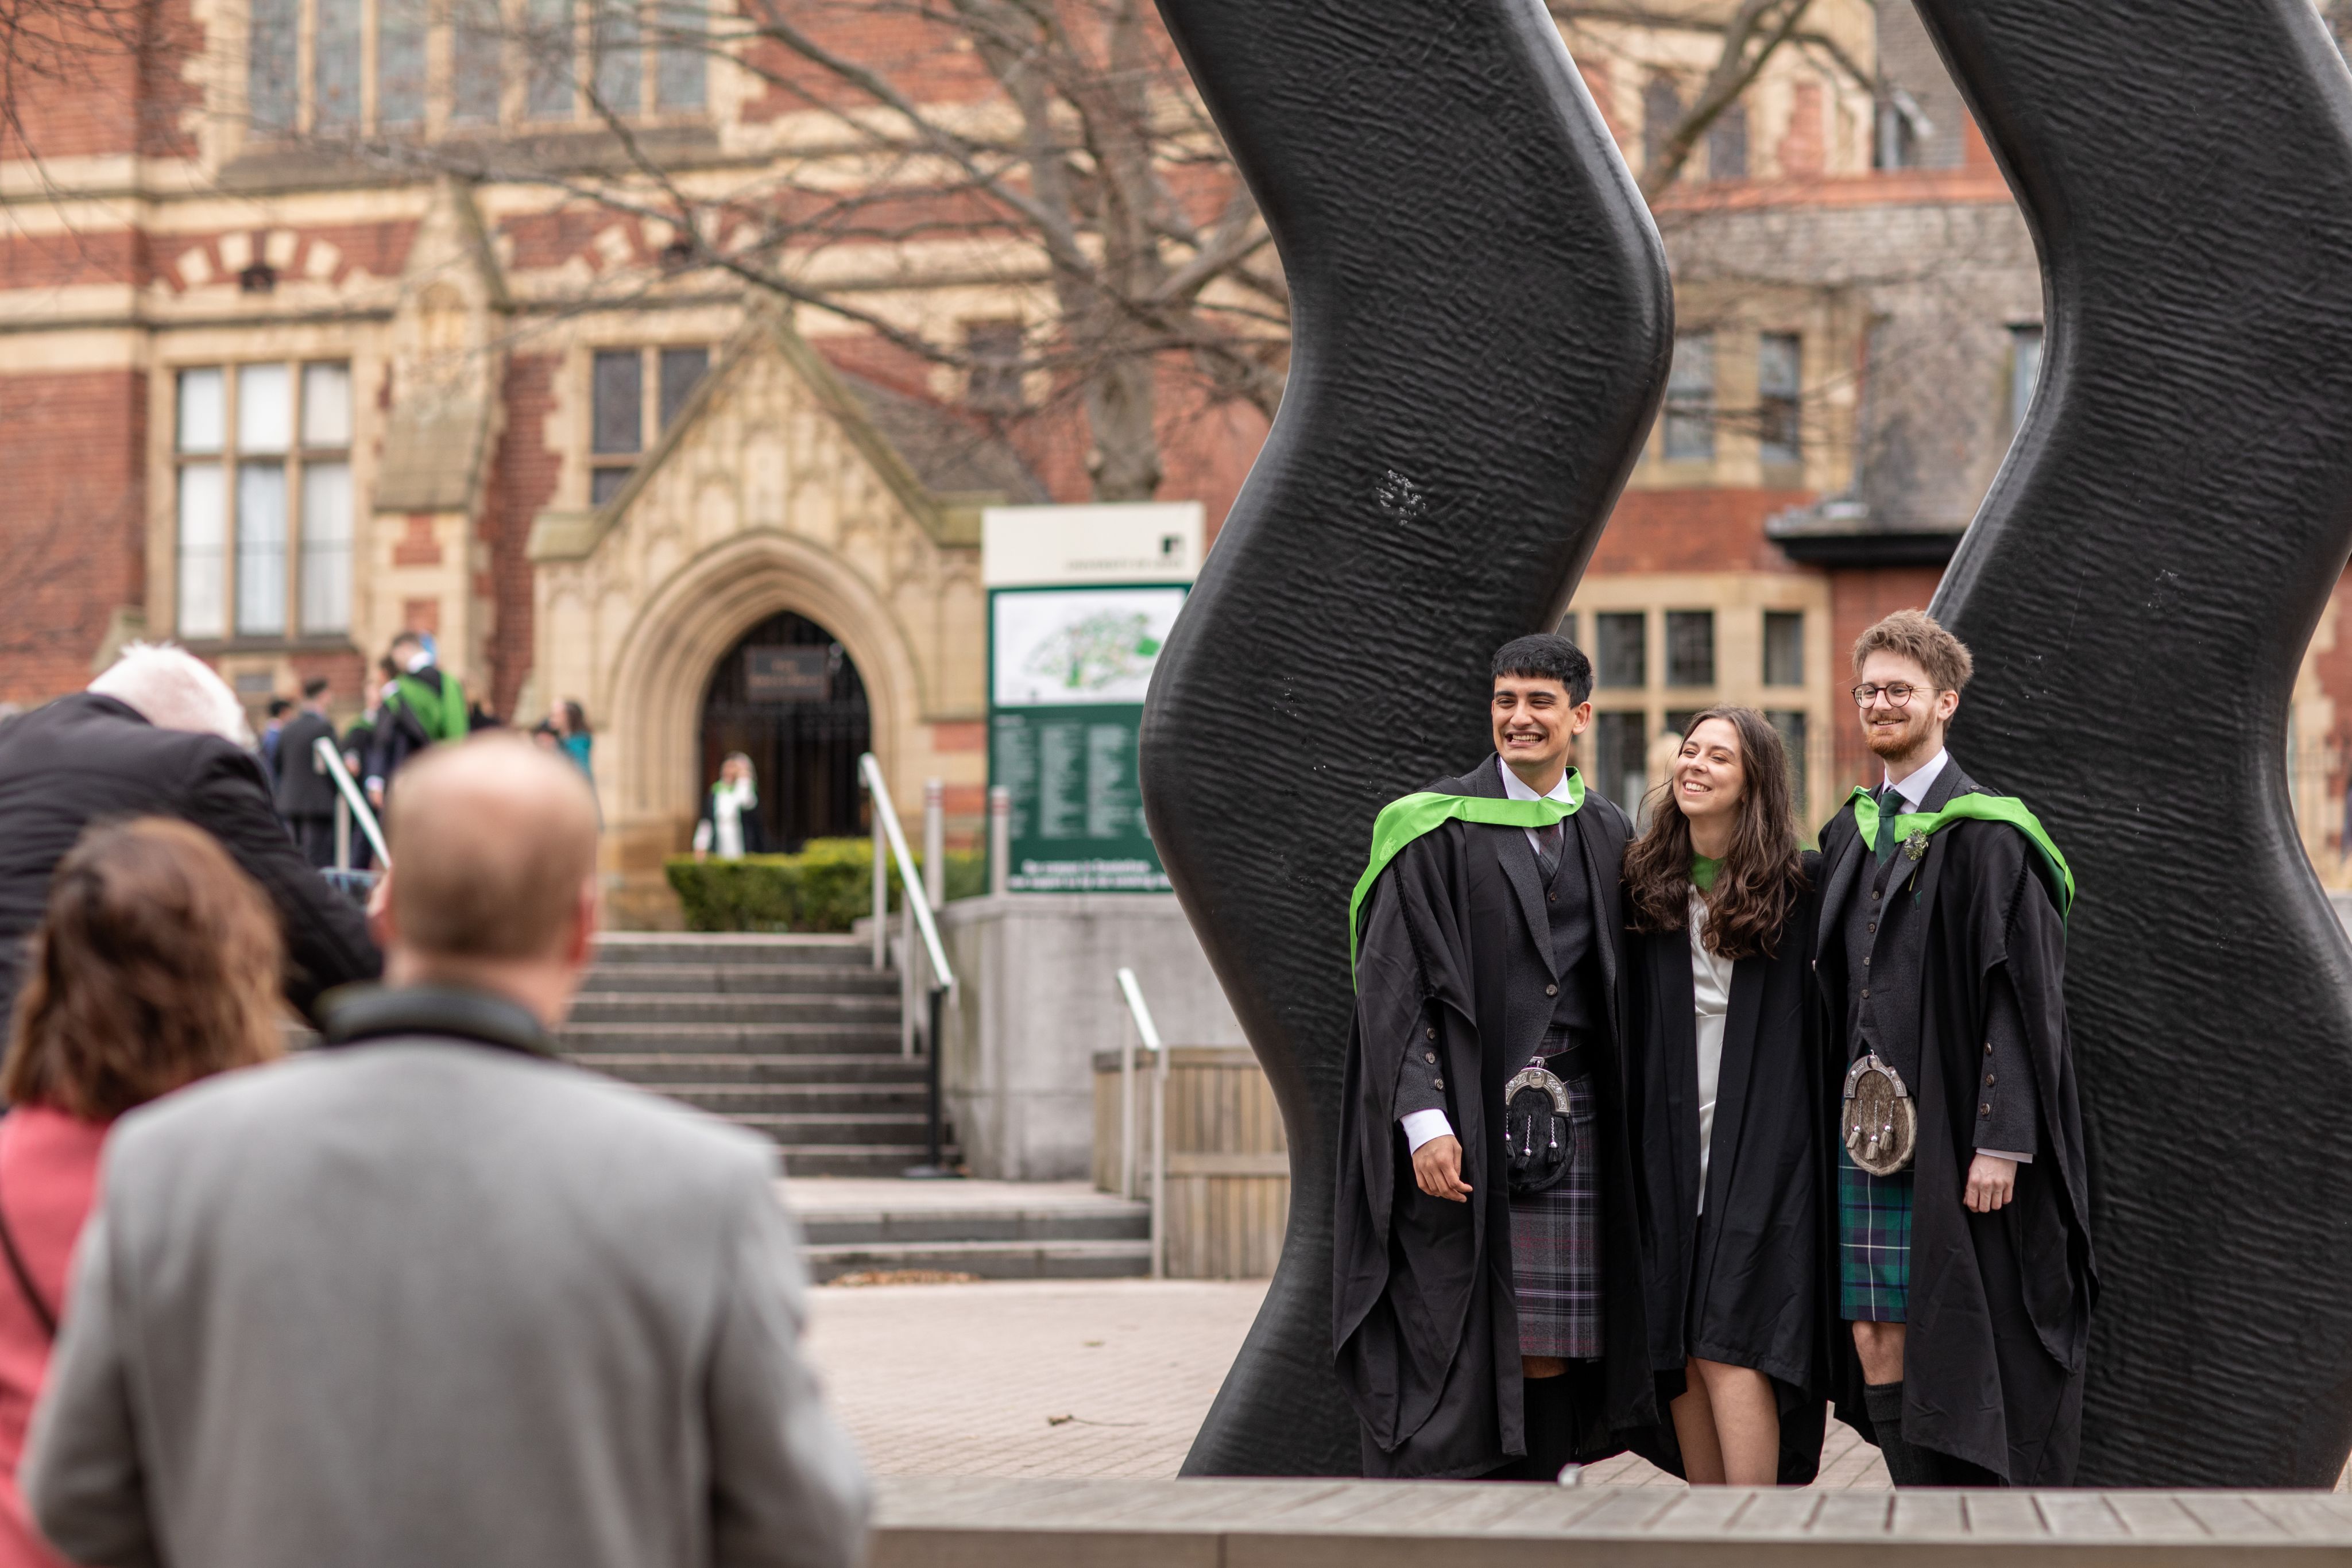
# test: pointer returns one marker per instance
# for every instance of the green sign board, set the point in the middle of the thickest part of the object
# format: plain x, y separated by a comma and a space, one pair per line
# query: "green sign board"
1068, 669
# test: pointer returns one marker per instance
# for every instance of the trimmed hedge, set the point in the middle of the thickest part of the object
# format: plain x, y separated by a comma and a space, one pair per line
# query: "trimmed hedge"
824, 888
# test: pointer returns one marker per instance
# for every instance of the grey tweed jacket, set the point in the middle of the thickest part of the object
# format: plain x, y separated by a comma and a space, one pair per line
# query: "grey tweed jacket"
423, 1302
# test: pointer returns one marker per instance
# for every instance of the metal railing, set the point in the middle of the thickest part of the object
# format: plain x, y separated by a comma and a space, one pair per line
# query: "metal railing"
890, 840
349, 806
1144, 1031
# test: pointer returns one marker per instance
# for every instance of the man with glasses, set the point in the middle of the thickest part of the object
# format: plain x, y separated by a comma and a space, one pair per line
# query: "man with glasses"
1964, 1251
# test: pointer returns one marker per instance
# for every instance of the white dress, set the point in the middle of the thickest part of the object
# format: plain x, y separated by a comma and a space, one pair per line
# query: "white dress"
1711, 999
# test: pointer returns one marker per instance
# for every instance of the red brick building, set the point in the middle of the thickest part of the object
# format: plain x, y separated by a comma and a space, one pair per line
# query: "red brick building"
277, 395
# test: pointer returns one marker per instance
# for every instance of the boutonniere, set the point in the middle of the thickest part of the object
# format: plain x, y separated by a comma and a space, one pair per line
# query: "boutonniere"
1916, 846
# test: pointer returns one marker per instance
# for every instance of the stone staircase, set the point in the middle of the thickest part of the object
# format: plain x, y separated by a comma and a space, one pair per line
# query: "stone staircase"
990, 1229
797, 1037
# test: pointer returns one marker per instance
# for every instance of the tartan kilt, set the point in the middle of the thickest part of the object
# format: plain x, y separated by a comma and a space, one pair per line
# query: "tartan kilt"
1873, 1243
1555, 1245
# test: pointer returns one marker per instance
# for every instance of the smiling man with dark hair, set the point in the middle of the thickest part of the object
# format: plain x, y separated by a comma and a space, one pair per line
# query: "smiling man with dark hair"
1487, 1302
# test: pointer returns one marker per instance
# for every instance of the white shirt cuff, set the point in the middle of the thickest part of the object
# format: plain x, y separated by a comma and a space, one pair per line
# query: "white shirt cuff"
1423, 1125
2005, 1155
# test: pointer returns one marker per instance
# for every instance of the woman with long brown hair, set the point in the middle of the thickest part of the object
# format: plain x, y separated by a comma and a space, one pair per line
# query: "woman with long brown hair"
1728, 1108
156, 963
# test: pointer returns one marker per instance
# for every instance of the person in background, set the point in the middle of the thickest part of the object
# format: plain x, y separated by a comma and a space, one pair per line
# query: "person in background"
271, 735
430, 1295
356, 743
155, 965
306, 791
579, 743
546, 737
421, 707
161, 734
1729, 1092
729, 827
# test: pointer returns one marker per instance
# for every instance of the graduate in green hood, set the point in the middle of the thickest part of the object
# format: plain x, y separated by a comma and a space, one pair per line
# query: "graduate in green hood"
1965, 1277
1487, 1291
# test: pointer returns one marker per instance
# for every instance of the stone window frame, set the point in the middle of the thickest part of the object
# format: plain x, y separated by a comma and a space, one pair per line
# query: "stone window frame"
659, 400
299, 461
305, 45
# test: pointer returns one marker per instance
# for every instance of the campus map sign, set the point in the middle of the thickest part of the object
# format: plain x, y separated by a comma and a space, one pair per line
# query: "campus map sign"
1080, 600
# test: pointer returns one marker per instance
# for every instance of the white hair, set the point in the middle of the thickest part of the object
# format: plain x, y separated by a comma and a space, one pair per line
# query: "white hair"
172, 689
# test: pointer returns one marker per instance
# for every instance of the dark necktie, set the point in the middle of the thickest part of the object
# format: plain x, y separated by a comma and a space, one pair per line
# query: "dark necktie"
1890, 805
1548, 840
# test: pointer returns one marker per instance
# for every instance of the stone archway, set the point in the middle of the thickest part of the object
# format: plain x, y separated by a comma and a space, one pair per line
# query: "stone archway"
687, 626
788, 698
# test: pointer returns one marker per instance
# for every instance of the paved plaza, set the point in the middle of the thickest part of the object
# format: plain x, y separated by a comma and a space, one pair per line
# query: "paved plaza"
1071, 1378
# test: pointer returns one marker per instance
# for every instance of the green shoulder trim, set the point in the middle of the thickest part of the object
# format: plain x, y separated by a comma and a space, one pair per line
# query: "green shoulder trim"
442, 715
1979, 808
1402, 822
455, 721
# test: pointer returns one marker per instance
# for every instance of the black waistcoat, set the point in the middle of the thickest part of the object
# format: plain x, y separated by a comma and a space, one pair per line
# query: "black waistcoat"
1568, 902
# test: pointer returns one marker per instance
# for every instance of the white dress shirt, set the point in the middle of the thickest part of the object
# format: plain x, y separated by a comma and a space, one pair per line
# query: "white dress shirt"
1913, 786
1423, 1125
1711, 999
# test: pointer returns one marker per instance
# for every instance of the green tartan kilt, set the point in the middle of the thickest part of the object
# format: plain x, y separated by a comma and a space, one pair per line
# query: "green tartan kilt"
1873, 1243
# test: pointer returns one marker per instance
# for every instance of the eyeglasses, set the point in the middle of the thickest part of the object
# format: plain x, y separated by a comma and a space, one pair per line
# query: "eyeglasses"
1897, 693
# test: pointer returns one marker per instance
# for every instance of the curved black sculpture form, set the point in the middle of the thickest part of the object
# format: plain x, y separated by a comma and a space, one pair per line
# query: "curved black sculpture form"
2139, 588
1481, 326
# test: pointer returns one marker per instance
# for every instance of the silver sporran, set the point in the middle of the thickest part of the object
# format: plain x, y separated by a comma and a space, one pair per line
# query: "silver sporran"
1880, 1123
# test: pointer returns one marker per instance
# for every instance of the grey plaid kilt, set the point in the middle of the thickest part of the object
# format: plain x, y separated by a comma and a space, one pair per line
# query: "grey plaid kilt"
1556, 1246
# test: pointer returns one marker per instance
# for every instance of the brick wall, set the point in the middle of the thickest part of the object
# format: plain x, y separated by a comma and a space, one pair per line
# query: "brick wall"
523, 477
1694, 530
73, 448
1858, 599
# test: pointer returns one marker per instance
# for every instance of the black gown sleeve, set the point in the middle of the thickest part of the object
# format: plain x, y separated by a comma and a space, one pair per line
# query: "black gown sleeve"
2008, 1109
327, 941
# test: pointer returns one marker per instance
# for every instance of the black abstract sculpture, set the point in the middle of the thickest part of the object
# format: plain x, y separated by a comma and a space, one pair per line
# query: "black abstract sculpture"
1481, 326
2138, 588
1480, 335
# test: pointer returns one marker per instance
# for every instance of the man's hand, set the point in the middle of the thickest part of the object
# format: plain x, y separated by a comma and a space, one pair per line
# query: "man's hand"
375, 794
1437, 1168
1992, 1182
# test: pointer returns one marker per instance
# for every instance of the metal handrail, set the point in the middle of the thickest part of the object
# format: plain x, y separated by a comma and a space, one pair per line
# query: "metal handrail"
1139, 1013
325, 750
871, 771
918, 915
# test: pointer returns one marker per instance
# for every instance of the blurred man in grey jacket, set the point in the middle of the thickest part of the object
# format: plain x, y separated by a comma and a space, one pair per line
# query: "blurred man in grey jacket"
428, 1296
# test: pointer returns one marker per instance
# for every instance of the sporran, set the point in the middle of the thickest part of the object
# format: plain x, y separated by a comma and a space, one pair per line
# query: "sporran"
1879, 1122
1539, 1137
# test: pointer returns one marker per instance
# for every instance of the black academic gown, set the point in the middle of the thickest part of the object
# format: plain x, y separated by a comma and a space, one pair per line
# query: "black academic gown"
1999, 1309
1745, 1281
1425, 1323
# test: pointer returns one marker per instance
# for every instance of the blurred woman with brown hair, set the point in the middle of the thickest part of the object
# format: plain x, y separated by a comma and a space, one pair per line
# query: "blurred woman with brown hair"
156, 963
1728, 1108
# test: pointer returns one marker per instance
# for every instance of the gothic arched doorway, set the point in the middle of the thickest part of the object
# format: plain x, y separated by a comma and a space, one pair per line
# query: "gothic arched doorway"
787, 696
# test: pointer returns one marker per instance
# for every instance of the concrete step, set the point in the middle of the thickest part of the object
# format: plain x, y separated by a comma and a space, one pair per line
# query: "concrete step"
769, 1009
661, 1069
753, 1039
989, 1259
830, 1112
1113, 1222
731, 979
728, 948
856, 1159
799, 1129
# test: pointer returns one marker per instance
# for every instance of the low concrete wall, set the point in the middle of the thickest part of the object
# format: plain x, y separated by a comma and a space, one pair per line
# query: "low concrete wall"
1036, 998
932, 1523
